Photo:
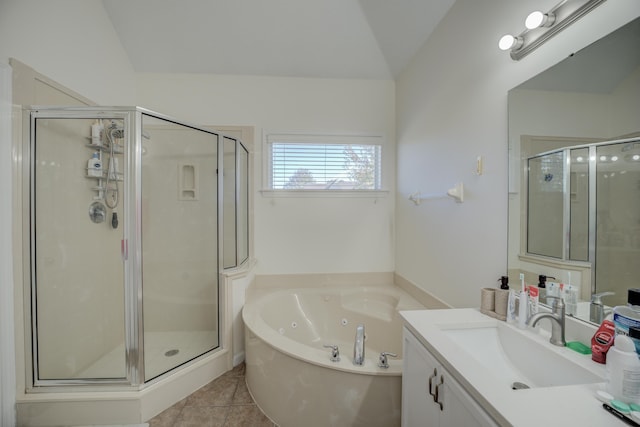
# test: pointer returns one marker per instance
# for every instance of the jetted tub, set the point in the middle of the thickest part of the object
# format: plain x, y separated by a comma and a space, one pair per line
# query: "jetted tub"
289, 373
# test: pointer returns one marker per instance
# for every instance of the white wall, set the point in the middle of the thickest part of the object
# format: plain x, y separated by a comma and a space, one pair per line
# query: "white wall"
297, 235
451, 108
71, 42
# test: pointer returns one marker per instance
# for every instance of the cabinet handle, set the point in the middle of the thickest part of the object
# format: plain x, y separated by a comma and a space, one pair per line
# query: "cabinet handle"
436, 398
435, 374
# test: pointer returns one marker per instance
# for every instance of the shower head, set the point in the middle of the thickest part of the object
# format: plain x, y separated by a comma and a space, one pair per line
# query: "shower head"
117, 133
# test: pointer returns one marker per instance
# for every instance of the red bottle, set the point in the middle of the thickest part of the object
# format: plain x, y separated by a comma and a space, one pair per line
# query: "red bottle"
602, 340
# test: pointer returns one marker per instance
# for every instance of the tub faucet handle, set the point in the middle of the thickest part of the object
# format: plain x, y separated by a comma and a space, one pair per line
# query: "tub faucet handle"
383, 362
335, 352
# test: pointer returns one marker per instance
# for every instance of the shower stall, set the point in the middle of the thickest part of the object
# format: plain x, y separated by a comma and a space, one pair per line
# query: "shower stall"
133, 216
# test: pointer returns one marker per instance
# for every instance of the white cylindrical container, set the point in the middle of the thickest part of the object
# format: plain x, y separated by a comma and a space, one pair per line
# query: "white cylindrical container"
94, 165
523, 312
623, 370
97, 129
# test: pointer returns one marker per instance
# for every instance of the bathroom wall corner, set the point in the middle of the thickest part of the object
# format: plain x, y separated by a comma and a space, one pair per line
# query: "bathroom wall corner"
424, 297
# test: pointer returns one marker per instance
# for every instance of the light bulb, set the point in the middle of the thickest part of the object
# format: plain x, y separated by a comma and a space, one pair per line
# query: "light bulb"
538, 19
636, 157
509, 42
614, 158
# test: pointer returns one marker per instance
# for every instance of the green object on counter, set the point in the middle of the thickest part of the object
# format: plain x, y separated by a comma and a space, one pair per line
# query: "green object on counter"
579, 347
620, 406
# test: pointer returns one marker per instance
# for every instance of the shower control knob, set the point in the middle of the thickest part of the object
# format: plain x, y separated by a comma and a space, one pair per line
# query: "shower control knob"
335, 352
383, 362
97, 212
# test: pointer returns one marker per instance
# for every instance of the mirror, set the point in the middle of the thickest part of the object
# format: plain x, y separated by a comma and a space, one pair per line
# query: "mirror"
578, 221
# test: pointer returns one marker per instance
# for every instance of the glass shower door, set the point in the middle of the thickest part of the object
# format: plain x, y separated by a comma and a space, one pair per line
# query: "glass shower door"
77, 271
617, 219
179, 208
546, 205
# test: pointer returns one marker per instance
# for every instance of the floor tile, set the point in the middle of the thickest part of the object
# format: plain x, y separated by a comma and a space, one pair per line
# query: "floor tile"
224, 402
242, 396
168, 417
217, 393
201, 416
247, 415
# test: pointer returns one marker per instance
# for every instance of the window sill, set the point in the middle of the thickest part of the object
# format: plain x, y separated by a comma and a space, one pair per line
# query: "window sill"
325, 193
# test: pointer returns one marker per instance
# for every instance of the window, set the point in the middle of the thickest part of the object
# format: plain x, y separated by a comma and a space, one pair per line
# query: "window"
323, 162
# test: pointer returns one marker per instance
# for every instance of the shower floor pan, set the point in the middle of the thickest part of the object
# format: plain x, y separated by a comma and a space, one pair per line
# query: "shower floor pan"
163, 352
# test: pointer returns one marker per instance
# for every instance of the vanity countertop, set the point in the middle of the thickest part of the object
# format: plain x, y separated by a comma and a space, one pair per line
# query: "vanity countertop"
570, 405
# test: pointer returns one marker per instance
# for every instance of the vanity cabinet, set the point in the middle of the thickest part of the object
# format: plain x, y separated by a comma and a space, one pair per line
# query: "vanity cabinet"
431, 396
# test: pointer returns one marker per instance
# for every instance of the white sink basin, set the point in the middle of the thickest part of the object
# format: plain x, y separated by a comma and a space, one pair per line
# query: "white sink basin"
514, 355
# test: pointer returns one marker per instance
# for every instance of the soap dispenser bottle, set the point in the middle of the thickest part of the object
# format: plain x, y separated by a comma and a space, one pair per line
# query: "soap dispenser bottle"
623, 370
542, 285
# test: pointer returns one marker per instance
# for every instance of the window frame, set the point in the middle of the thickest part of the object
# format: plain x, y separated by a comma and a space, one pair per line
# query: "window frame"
319, 138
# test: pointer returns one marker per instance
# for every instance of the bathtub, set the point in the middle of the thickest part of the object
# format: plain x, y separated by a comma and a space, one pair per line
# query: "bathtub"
289, 373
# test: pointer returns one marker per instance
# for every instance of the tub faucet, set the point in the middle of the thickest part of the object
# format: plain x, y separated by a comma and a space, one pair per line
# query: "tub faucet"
557, 321
358, 346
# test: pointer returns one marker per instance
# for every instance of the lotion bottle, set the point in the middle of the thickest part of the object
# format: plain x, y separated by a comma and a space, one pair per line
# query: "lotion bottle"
94, 165
511, 307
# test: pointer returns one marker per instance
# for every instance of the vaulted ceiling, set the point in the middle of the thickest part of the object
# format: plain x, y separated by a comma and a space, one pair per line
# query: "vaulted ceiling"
297, 38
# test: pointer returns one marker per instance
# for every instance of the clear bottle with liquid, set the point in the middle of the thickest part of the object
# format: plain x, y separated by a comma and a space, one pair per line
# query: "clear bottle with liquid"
626, 317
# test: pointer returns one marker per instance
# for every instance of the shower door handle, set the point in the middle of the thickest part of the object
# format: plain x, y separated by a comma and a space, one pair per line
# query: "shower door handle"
124, 249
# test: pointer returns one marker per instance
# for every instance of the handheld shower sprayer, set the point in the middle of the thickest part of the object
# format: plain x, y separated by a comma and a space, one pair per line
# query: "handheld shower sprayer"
112, 195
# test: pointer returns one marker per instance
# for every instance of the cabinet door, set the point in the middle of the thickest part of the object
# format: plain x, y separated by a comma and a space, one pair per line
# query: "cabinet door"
418, 407
458, 407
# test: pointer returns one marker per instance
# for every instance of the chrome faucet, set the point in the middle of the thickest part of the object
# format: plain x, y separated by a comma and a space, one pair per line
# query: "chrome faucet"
597, 312
557, 321
358, 346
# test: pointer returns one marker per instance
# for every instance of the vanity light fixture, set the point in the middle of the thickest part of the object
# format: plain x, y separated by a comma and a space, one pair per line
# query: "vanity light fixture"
539, 19
508, 42
541, 26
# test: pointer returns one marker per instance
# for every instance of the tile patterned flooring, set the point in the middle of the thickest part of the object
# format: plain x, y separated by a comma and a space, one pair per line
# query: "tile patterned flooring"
224, 402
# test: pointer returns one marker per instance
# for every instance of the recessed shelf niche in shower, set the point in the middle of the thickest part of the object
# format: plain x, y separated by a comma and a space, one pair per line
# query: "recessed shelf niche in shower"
188, 181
